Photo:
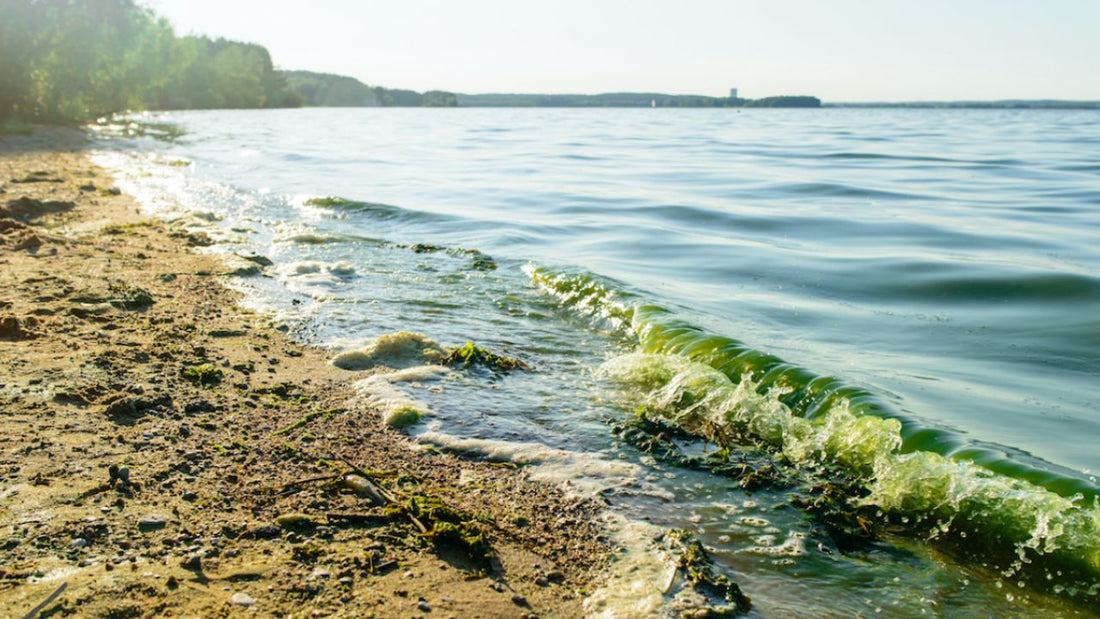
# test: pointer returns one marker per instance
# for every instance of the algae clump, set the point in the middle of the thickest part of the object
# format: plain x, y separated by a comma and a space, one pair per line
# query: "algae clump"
449, 528
205, 375
333, 202
700, 571
403, 417
475, 355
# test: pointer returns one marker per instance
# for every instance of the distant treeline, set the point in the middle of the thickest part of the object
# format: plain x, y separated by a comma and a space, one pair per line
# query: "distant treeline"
629, 99
1005, 104
329, 90
73, 60
76, 60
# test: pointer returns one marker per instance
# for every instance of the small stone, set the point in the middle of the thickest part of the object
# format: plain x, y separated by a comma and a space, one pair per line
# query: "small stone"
152, 522
192, 562
424, 606
519, 600
79, 542
267, 531
243, 599
295, 521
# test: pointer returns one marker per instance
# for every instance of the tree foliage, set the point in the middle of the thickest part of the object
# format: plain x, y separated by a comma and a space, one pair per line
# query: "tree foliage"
329, 90
73, 60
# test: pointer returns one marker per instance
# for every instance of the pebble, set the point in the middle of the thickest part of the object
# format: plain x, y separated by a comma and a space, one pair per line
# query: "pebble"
519, 600
318, 572
267, 531
152, 522
243, 599
192, 562
424, 606
79, 542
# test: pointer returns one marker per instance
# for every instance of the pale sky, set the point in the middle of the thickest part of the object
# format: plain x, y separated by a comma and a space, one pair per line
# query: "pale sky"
838, 50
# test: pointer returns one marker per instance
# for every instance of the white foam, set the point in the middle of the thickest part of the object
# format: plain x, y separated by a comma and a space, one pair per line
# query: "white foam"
583, 473
397, 407
639, 576
393, 350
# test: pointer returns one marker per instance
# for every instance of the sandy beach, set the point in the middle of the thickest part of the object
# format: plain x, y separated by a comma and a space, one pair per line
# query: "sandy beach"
165, 452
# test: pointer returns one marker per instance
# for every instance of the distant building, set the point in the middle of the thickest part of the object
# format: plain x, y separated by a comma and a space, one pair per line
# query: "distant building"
733, 93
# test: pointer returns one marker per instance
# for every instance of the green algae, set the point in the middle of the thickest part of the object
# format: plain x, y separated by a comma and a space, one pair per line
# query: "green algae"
472, 355
448, 528
126, 297
309, 418
204, 375
699, 569
334, 202
752, 469
403, 417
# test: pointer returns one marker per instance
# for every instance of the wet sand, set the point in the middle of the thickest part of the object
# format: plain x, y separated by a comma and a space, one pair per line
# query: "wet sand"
164, 452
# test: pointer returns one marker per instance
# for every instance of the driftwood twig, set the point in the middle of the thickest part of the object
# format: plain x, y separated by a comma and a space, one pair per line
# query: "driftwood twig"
53, 596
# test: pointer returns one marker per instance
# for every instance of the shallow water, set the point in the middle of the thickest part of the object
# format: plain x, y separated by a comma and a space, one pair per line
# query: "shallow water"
933, 273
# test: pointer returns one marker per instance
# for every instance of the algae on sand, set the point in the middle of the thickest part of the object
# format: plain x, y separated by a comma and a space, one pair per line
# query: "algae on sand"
204, 375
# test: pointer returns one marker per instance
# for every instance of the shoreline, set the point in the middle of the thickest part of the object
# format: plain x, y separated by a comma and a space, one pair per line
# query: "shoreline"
167, 452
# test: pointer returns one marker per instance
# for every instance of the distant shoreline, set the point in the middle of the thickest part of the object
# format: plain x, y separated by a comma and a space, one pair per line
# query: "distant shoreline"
1004, 104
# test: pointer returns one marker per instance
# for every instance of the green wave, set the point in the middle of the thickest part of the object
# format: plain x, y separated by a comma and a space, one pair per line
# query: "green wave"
926, 480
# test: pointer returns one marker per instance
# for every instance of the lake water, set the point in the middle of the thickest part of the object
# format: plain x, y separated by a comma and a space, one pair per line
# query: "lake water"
907, 300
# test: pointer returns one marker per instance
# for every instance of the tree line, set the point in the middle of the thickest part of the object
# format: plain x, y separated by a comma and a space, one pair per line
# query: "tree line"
629, 99
330, 90
75, 60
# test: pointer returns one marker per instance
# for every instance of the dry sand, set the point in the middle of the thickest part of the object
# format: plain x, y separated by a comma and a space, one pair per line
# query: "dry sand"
164, 452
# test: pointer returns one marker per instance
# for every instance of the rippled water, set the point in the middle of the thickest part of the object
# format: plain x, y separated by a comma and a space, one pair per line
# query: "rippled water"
911, 297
